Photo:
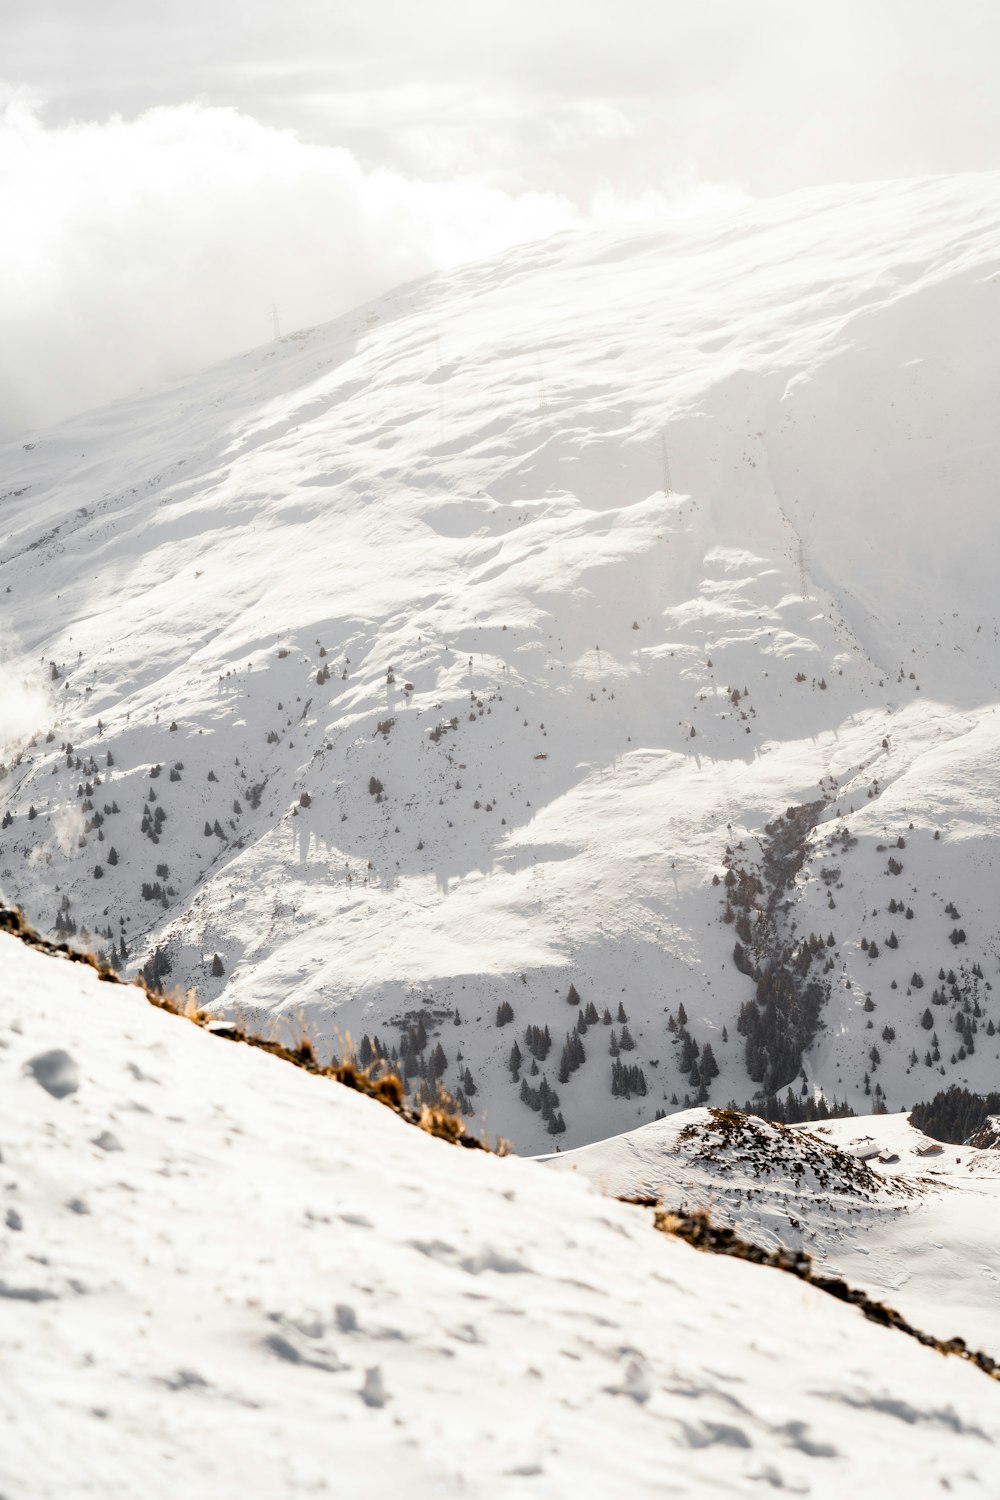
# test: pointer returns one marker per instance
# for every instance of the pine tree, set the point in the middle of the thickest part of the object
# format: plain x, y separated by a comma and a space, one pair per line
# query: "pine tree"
689, 1051
573, 997
217, 967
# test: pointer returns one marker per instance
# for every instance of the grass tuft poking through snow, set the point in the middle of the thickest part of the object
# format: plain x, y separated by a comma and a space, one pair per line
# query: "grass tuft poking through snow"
438, 1119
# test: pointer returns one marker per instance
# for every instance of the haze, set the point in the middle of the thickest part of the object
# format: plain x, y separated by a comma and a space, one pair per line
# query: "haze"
166, 173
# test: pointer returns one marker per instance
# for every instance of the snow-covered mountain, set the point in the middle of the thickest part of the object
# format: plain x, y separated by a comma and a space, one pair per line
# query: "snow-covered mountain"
914, 1222
619, 614
220, 1275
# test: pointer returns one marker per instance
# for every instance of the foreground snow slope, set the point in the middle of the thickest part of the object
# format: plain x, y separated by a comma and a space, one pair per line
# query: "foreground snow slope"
551, 584
872, 1200
222, 1276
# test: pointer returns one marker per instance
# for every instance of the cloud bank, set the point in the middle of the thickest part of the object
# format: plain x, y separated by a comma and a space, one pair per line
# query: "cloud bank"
133, 251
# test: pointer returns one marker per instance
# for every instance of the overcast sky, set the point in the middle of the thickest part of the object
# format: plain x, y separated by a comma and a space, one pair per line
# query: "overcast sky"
166, 169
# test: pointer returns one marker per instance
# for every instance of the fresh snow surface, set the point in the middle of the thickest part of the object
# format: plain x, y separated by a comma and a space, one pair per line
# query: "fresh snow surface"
221, 1276
617, 546
914, 1222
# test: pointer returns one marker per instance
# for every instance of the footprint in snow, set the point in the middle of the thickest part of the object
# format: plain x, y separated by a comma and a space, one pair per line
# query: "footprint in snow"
347, 1320
107, 1141
635, 1384
489, 1259
185, 1380
139, 1075
55, 1071
373, 1392
710, 1434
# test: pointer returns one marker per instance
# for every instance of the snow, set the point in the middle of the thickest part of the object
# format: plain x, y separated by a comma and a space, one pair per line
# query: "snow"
767, 440
922, 1233
221, 1275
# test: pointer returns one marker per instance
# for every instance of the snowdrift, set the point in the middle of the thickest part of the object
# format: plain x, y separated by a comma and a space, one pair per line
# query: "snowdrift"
221, 1275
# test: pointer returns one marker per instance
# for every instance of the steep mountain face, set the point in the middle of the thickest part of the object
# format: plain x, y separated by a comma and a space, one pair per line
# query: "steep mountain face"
220, 1275
617, 614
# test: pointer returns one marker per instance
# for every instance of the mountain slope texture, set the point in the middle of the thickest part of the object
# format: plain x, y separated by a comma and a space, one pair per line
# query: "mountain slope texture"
614, 621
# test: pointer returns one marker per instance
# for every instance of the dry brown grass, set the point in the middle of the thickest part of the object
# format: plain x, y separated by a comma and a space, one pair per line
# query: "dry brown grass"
376, 1082
698, 1231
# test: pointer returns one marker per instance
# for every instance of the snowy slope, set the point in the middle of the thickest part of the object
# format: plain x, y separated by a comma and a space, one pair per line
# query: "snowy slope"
222, 1276
871, 1199
596, 559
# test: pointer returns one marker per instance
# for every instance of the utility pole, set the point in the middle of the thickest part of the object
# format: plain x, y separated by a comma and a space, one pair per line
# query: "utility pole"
668, 487
543, 399
274, 320
803, 582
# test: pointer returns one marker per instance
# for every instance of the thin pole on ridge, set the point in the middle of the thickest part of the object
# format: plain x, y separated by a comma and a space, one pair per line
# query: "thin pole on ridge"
543, 396
668, 486
274, 321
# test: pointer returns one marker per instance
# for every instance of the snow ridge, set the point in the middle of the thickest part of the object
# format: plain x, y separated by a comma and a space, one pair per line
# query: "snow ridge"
221, 1274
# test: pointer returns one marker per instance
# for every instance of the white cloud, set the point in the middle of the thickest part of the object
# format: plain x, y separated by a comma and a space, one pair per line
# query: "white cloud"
131, 251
